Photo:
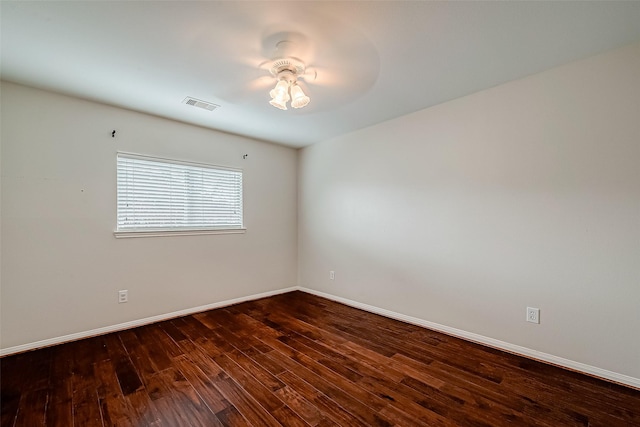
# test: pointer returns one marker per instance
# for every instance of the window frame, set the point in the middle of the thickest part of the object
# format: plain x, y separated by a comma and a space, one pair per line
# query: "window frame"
176, 231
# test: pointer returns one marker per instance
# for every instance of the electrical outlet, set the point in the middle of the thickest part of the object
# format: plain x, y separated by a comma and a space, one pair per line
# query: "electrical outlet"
123, 296
533, 315
332, 275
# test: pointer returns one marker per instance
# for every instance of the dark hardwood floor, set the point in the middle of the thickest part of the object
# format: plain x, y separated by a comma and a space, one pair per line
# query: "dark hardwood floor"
297, 360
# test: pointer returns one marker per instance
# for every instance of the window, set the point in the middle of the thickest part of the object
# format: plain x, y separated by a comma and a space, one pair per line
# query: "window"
159, 196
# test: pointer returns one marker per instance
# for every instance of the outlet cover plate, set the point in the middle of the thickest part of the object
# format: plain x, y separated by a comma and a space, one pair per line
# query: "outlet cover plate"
533, 315
123, 296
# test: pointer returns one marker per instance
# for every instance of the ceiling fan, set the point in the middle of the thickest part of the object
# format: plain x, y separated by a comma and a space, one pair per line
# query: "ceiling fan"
286, 70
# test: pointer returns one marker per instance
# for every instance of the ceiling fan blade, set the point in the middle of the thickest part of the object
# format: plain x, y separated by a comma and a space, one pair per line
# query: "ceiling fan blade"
244, 92
261, 83
310, 74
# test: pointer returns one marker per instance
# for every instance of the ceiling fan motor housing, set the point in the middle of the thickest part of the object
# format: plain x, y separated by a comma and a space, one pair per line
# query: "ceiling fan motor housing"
279, 67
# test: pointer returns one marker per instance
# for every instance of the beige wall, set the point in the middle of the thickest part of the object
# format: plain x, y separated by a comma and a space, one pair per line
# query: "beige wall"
464, 214
62, 266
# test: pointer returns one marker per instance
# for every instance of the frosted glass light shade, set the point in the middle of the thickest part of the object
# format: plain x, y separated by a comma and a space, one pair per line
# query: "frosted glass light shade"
280, 95
281, 89
278, 103
299, 99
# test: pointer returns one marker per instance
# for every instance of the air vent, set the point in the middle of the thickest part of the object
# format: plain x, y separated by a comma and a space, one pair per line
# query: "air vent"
200, 104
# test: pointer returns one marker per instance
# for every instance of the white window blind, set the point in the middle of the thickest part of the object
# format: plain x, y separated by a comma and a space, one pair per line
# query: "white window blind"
166, 195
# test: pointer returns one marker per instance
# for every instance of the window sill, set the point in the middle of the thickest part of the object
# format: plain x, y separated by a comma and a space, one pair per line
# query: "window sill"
163, 233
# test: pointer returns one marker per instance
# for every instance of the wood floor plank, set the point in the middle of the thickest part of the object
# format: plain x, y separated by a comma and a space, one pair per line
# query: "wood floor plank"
128, 377
164, 341
170, 329
297, 360
32, 408
305, 409
285, 416
86, 407
60, 405
265, 378
203, 385
140, 359
259, 392
246, 405
10, 402
230, 417
157, 354
113, 407
144, 410
177, 402
361, 404
199, 357
323, 402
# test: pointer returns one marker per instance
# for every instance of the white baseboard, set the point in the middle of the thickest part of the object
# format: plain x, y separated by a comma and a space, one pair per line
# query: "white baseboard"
135, 323
469, 336
490, 342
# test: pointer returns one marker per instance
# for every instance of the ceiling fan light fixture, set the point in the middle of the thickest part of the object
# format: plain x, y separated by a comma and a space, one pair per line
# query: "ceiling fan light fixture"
287, 71
299, 99
279, 103
280, 94
280, 91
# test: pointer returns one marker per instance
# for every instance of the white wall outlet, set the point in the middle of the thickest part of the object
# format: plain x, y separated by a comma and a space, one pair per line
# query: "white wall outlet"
123, 296
332, 275
533, 315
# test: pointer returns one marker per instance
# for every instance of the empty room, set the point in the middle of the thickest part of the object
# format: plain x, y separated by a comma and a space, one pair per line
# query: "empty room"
320, 213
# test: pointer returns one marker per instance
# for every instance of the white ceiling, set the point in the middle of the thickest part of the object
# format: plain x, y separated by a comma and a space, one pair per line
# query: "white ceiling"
375, 60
